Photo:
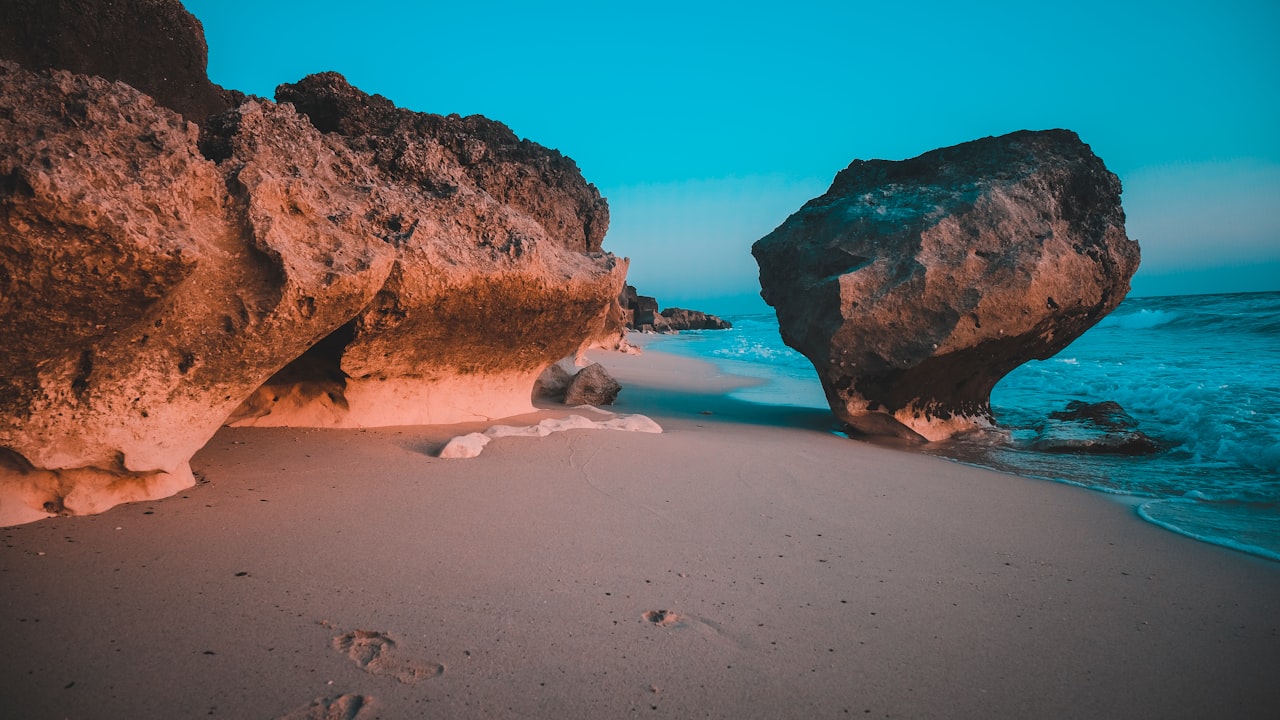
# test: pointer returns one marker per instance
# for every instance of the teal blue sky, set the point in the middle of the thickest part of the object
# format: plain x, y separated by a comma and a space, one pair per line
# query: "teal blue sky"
707, 124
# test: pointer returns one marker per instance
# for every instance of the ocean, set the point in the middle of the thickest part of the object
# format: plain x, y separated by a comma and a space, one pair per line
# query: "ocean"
1199, 373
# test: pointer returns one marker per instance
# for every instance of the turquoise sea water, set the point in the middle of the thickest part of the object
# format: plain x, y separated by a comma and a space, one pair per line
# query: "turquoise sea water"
1200, 374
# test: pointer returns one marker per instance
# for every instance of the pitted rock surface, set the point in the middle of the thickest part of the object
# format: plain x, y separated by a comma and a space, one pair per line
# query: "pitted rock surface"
157, 279
155, 46
914, 286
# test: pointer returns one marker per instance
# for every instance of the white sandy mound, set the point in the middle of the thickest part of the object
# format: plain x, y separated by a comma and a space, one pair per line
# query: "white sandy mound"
465, 446
471, 445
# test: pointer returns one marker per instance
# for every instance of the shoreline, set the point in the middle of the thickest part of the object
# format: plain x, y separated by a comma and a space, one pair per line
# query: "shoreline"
744, 563
1226, 539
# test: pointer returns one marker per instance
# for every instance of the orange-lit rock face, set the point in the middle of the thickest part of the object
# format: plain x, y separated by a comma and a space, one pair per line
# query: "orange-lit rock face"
497, 272
154, 276
914, 286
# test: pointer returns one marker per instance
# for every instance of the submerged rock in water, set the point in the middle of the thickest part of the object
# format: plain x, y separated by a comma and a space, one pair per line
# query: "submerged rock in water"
914, 286
1102, 428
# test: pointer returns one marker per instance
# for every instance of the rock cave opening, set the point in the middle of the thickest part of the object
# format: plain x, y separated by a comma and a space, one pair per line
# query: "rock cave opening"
311, 384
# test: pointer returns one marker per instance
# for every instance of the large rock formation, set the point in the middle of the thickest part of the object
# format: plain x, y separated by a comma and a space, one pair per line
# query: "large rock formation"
154, 45
138, 299
157, 279
488, 288
914, 286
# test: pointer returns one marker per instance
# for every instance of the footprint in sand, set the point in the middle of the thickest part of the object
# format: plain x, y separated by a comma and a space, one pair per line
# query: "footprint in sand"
342, 707
682, 625
665, 618
376, 653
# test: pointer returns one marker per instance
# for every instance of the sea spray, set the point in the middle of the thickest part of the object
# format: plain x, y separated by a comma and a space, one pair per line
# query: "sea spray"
1200, 374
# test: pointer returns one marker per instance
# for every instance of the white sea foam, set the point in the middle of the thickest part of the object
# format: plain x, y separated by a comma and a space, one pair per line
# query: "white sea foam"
1141, 320
1245, 528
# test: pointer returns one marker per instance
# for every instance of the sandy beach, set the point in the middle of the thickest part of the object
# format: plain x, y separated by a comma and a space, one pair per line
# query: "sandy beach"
745, 563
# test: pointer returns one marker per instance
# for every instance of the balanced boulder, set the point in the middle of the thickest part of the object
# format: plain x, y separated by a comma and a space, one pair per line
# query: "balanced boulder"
915, 286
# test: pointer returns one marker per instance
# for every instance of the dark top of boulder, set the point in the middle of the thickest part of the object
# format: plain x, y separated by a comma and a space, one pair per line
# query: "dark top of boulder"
154, 45
514, 171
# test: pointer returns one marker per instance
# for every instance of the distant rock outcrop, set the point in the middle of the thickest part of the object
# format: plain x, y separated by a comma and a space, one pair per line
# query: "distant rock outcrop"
640, 312
681, 319
271, 268
914, 286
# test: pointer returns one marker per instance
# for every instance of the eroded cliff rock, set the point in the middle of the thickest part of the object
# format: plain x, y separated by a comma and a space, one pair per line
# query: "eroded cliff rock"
145, 292
495, 276
914, 286
156, 280
154, 45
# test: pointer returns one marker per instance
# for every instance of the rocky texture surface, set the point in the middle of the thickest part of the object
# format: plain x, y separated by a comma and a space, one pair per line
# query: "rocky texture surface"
154, 45
486, 290
1102, 428
443, 154
553, 381
640, 312
156, 280
592, 385
145, 292
681, 319
914, 286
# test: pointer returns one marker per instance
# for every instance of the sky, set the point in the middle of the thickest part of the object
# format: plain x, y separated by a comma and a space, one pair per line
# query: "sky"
706, 124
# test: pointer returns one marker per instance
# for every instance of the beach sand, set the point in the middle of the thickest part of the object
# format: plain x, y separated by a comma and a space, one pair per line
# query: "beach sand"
746, 563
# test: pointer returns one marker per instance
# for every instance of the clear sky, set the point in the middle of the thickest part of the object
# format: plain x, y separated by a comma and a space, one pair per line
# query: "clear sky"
707, 124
